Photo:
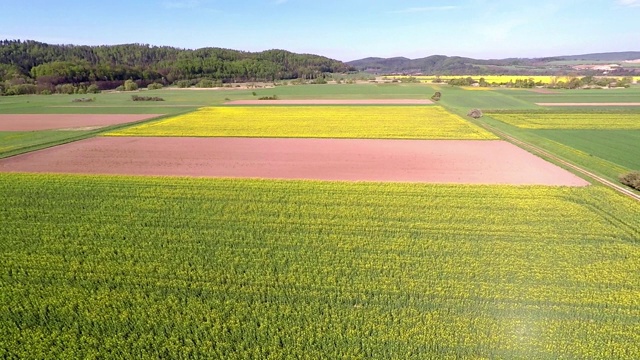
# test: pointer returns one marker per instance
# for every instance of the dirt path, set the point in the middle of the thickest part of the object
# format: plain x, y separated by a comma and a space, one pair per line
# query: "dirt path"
621, 189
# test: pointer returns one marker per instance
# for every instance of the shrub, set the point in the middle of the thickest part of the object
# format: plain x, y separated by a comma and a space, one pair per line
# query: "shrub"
21, 89
120, 88
631, 179
84, 100
130, 85
154, 86
65, 89
146, 98
475, 113
207, 83
274, 97
436, 96
183, 84
93, 89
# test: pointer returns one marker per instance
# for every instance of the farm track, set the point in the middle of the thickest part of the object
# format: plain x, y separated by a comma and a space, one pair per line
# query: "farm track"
541, 151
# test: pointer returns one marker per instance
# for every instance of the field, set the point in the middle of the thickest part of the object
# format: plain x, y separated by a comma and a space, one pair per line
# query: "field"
196, 263
388, 122
618, 146
498, 79
571, 121
34, 122
445, 161
258, 269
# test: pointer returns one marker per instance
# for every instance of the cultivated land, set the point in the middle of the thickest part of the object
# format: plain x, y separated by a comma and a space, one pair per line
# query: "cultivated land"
384, 122
333, 102
30, 122
236, 268
463, 162
258, 269
590, 104
571, 121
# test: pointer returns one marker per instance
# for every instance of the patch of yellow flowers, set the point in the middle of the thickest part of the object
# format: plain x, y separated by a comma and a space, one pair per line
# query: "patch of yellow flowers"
571, 121
296, 269
381, 122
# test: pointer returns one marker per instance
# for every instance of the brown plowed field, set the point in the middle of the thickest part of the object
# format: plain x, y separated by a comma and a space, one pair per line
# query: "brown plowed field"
590, 104
30, 122
435, 161
333, 102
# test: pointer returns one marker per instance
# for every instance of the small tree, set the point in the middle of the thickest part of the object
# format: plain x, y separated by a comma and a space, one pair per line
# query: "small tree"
205, 83
130, 85
93, 89
475, 113
436, 96
183, 84
631, 179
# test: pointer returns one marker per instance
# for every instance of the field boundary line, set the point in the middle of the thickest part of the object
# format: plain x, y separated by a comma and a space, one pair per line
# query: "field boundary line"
540, 151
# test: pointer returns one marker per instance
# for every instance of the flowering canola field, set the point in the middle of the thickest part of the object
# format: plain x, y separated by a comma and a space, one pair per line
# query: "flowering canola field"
498, 79
214, 268
381, 122
570, 120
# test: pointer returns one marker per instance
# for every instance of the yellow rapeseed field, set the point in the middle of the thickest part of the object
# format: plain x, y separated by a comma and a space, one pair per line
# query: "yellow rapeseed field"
256, 269
381, 122
571, 121
498, 79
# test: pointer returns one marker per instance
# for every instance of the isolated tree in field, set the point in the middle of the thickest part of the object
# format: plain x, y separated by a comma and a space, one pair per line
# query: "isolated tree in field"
631, 179
475, 113
436, 96
130, 85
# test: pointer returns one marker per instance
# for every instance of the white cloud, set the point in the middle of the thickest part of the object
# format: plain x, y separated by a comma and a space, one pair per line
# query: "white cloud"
425, 9
629, 3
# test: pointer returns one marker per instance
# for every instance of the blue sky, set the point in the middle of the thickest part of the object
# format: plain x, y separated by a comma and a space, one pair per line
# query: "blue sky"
340, 29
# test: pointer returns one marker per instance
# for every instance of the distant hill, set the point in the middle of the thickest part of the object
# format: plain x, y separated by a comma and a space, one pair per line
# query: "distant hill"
26, 63
455, 65
611, 56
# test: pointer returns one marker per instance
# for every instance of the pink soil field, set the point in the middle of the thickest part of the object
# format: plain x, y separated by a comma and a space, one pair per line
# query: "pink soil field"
429, 161
590, 104
333, 102
30, 122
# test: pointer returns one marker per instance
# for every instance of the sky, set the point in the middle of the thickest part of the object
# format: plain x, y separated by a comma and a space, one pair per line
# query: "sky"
340, 29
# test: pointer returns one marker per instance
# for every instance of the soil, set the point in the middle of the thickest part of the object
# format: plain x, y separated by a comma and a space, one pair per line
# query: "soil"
31, 122
426, 161
333, 102
590, 104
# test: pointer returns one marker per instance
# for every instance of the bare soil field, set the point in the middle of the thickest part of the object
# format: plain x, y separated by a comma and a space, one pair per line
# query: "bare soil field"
333, 102
31, 122
590, 104
435, 161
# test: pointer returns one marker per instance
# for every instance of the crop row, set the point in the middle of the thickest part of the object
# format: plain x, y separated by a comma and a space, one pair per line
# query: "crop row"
394, 122
570, 120
170, 267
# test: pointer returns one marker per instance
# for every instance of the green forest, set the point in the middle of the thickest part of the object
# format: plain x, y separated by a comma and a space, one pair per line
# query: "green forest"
30, 67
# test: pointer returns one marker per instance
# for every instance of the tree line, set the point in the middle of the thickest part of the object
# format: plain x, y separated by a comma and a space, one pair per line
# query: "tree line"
35, 67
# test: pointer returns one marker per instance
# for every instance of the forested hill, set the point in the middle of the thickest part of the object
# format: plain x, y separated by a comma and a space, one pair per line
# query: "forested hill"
455, 65
56, 64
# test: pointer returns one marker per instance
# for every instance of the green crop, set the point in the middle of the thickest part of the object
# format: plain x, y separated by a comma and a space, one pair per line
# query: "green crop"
126, 267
